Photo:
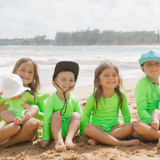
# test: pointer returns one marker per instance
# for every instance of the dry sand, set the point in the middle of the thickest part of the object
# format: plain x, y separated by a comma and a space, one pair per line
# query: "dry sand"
83, 151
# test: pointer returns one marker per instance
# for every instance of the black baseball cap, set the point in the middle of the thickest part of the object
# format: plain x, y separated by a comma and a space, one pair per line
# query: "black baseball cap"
66, 66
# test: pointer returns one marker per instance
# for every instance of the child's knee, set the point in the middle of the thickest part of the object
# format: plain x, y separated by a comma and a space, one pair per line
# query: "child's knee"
76, 115
5, 112
35, 107
138, 127
129, 127
15, 129
155, 111
56, 116
87, 129
32, 124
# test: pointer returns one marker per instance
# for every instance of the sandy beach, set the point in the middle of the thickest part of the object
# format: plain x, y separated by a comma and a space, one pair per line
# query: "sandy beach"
83, 151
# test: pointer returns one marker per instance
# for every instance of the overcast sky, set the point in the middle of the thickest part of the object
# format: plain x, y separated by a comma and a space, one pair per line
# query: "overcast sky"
28, 18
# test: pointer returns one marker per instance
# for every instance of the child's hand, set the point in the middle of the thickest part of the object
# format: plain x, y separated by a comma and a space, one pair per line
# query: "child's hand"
3, 107
49, 95
44, 143
26, 105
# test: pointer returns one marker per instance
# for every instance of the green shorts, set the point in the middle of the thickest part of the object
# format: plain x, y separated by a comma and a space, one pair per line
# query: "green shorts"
65, 126
110, 128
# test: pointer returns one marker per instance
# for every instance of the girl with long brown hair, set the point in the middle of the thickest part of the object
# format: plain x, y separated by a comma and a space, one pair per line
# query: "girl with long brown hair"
27, 69
104, 105
13, 133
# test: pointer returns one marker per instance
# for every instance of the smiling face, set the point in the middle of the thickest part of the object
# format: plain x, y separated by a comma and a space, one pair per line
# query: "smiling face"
151, 69
108, 79
26, 72
65, 81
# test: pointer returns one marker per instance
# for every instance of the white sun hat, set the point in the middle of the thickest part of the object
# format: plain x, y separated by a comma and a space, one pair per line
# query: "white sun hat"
12, 86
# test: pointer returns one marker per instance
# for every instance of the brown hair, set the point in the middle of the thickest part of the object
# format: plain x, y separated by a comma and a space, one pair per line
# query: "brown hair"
98, 88
35, 84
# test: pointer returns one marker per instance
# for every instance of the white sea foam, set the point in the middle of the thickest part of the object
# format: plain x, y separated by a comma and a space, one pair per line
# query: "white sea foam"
88, 58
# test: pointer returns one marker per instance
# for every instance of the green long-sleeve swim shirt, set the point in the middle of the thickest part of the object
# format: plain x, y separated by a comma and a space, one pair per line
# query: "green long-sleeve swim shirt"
146, 99
18, 103
107, 113
41, 105
54, 104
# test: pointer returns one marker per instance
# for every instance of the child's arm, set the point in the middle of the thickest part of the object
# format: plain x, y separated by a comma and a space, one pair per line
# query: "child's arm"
47, 120
141, 101
41, 104
38, 98
125, 110
2, 108
86, 114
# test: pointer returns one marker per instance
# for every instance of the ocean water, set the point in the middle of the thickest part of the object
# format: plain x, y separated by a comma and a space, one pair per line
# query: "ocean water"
88, 58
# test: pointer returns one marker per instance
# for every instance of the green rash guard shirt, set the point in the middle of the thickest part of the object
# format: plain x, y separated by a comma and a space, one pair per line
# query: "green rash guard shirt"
144, 94
54, 104
107, 113
41, 105
18, 103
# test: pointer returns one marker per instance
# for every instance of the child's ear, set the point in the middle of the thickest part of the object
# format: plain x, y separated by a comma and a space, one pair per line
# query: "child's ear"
142, 67
54, 84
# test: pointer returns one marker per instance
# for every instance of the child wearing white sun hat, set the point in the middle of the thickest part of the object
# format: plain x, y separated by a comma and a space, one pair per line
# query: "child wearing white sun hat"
14, 94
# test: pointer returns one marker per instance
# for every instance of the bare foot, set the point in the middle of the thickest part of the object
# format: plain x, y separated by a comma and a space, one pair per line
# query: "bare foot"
60, 147
92, 142
134, 142
26, 117
69, 144
155, 125
18, 120
158, 144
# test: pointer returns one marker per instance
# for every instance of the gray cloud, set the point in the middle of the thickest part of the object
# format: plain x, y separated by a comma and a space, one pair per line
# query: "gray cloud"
28, 18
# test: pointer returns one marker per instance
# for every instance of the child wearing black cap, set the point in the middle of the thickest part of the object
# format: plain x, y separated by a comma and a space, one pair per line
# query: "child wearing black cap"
63, 111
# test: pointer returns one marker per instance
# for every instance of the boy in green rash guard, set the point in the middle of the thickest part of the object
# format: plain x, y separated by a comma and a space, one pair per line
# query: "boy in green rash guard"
104, 105
147, 94
63, 111
14, 95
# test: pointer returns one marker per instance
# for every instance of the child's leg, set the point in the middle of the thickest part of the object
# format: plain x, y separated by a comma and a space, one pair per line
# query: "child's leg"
147, 132
9, 117
99, 135
26, 132
56, 128
31, 113
155, 119
121, 132
8, 131
74, 124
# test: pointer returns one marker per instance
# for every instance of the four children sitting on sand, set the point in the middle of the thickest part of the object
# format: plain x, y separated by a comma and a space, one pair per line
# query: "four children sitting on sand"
63, 114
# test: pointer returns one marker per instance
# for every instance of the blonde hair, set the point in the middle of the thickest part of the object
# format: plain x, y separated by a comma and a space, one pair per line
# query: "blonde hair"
97, 86
35, 84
